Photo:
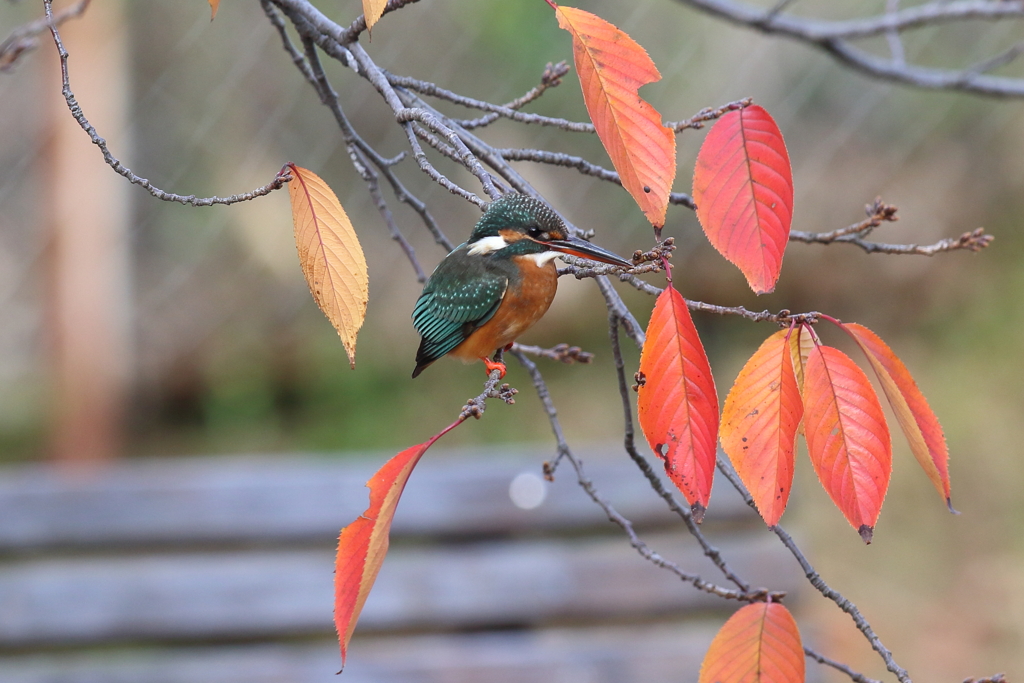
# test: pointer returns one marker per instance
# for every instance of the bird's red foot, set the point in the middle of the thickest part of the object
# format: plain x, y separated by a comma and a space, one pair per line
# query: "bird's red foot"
494, 365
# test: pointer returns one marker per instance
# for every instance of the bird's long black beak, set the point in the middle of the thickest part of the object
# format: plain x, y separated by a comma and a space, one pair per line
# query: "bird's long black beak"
577, 247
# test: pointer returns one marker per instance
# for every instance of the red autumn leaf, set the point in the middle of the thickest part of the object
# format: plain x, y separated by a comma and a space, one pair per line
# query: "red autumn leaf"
743, 188
759, 644
918, 422
847, 437
678, 405
363, 544
759, 424
612, 67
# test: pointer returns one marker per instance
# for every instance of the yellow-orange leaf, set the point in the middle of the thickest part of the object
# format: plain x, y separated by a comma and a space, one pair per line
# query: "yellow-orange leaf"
847, 437
759, 424
612, 67
800, 344
372, 11
331, 257
759, 644
214, 4
918, 422
801, 341
363, 544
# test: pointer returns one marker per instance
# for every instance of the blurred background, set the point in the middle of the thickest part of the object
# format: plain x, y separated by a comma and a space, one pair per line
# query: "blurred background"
133, 328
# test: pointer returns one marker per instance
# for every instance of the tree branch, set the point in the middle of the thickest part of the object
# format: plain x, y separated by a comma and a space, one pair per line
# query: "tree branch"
834, 38
745, 594
23, 38
76, 111
551, 78
819, 583
879, 213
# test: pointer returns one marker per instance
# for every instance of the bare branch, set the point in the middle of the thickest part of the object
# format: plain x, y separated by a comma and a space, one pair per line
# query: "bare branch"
744, 594
23, 38
710, 551
551, 78
834, 38
560, 352
76, 111
433, 90
709, 114
879, 213
819, 583
351, 137
822, 659
406, 116
997, 678
359, 160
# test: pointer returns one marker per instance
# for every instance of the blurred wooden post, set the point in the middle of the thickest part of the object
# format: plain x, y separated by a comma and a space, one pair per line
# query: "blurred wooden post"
88, 302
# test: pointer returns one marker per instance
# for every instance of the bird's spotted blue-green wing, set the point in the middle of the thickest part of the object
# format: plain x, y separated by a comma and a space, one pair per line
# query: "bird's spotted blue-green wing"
458, 298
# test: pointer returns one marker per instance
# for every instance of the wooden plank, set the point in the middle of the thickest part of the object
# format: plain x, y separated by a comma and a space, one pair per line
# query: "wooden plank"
650, 653
257, 594
265, 499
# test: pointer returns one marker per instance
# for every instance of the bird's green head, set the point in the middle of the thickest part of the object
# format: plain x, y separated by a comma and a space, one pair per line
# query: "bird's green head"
515, 215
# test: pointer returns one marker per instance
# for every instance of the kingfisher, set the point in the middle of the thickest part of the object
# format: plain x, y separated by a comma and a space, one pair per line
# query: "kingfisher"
493, 287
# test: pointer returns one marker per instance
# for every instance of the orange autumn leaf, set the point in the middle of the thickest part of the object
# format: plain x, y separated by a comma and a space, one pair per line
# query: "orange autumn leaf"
332, 259
915, 416
743, 188
363, 544
759, 425
612, 67
214, 4
847, 437
678, 405
372, 11
760, 643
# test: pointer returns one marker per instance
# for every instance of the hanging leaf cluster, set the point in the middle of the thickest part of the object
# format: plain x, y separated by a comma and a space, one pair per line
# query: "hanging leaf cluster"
847, 436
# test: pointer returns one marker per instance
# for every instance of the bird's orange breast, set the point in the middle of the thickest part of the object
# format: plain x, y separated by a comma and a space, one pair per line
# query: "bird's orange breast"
523, 305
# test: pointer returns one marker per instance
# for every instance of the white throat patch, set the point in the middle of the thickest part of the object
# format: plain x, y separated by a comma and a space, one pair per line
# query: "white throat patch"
545, 257
487, 245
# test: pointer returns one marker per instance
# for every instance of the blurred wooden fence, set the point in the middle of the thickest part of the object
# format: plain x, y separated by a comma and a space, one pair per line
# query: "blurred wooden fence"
219, 570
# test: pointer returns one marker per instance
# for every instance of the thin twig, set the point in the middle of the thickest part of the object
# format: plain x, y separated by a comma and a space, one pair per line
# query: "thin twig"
330, 99
349, 134
274, 16
551, 78
23, 38
878, 213
855, 676
744, 594
709, 114
710, 551
834, 38
819, 583
405, 116
76, 111
560, 352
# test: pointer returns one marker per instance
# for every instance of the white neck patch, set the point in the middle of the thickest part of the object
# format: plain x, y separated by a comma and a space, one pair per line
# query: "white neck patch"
545, 257
487, 245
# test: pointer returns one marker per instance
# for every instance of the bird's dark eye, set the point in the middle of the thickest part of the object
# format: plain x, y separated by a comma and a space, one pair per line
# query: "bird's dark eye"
534, 231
